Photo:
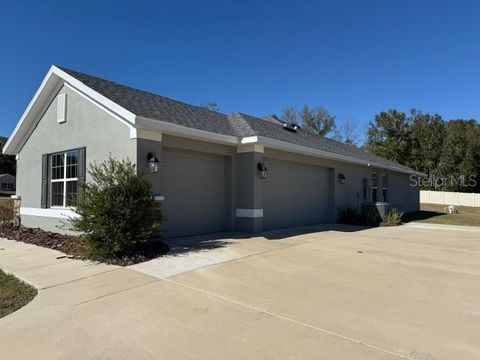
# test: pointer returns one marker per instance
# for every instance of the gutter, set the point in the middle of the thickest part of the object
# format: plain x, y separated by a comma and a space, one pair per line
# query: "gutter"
285, 146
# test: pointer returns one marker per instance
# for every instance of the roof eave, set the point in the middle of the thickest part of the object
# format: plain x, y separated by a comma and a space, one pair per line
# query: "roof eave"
285, 146
184, 131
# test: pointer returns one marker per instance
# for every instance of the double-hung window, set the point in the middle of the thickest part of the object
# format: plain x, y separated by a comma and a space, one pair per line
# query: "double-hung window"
63, 178
374, 187
7, 186
385, 187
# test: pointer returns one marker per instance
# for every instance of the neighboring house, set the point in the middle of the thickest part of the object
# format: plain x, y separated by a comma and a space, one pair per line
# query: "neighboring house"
216, 172
7, 162
7, 183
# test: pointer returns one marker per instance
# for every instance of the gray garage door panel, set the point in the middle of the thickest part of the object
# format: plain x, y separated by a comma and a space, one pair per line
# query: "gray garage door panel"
194, 188
295, 194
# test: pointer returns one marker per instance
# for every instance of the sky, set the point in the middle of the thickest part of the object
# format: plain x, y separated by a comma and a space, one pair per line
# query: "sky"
356, 58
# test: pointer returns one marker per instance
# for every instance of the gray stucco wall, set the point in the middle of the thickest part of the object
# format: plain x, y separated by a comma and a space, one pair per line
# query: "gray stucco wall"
249, 190
350, 195
172, 143
87, 126
405, 196
49, 224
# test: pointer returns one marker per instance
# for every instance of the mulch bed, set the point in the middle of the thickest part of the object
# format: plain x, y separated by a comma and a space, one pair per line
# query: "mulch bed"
75, 246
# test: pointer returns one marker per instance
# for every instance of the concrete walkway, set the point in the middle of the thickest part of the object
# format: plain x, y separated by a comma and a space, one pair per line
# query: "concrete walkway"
386, 293
44, 268
423, 225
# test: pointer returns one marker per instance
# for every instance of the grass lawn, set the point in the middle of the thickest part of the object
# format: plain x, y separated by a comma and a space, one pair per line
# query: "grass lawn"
13, 294
434, 214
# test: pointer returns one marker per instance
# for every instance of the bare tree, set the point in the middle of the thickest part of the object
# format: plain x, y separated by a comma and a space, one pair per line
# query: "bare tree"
210, 106
347, 132
316, 120
290, 116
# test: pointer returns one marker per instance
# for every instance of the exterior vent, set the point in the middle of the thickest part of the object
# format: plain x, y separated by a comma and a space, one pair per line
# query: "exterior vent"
291, 127
61, 107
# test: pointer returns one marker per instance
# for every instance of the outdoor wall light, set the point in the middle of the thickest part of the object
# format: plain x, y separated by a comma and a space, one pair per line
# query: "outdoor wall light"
262, 170
341, 178
152, 162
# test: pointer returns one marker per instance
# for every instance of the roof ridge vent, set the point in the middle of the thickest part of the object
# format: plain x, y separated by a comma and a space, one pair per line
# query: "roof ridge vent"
292, 127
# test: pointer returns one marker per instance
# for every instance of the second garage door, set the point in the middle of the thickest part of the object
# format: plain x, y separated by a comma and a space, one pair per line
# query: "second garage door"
194, 188
295, 194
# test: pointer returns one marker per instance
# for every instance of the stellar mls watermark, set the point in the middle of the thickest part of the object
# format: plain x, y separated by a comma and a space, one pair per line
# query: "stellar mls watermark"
444, 181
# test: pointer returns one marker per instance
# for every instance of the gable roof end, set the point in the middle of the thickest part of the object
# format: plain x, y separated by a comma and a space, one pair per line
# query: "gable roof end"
51, 84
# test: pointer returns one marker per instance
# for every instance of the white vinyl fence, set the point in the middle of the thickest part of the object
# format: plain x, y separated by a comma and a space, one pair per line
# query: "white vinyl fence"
449, 198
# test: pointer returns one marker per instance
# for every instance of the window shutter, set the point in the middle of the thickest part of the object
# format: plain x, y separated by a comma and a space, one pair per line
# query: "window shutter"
44, 203
61, 106
82, 167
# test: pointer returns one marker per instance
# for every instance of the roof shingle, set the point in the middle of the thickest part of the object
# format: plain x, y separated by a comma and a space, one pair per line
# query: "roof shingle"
160, 108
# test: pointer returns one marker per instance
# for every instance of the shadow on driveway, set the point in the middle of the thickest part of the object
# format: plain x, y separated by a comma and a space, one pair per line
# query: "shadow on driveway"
205, 242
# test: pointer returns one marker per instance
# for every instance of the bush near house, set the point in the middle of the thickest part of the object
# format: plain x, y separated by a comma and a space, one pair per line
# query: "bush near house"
118, 214
393, 218
353, 217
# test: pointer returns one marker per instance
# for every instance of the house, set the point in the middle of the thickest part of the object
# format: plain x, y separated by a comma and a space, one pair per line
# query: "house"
7, 183
216, 172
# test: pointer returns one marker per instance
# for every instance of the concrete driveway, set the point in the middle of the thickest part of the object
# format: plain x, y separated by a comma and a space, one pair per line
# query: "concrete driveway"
387, 293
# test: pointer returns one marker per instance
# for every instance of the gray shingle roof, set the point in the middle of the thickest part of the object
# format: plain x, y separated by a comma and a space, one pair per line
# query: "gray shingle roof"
260, 127
143, 103
157, 107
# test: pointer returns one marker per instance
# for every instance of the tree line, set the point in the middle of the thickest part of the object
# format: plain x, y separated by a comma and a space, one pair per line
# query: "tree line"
447, 151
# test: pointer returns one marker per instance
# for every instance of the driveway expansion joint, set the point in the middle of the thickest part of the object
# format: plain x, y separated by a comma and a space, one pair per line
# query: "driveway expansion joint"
287, 319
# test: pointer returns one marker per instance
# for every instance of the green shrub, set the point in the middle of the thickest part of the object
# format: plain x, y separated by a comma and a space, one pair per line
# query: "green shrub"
353, 217
118, 214
393, 218
371, 218
349, 216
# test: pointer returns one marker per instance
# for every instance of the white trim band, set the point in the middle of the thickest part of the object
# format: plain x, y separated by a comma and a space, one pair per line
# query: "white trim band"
51, 213
249, 213
183, 131
246, 148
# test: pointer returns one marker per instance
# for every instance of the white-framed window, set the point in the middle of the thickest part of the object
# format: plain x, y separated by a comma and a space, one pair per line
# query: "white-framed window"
374, 187
7, 186
64, 179
385, 187
366, 190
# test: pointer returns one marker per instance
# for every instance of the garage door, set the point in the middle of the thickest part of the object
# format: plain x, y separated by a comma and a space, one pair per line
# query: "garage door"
194, 188
295, 194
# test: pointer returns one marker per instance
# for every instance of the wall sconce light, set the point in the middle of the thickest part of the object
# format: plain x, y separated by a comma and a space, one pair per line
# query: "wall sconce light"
262, 170
341, 178
152, 162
